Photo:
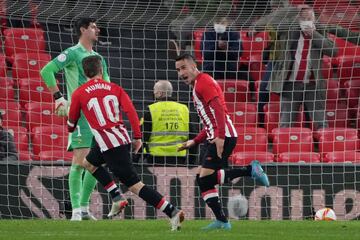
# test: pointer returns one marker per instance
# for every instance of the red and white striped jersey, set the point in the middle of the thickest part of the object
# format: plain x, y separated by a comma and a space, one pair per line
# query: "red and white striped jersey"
101, 103
206, 89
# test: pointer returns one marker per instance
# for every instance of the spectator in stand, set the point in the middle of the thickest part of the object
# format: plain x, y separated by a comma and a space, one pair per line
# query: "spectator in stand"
296, 73
268, 57
221, 49
8, 150
166, 125
181, 31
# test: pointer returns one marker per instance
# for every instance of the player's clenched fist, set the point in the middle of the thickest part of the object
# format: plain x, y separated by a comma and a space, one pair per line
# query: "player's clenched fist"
61, 105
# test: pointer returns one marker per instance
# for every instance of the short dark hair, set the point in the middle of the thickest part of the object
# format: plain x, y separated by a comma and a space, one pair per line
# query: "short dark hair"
186, 56
92, 66
219, 19
83, 22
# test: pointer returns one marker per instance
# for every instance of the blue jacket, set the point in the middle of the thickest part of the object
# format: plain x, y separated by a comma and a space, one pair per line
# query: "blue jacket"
212, 56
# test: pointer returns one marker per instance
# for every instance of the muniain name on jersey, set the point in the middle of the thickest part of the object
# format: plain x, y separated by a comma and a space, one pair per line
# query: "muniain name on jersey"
97, 86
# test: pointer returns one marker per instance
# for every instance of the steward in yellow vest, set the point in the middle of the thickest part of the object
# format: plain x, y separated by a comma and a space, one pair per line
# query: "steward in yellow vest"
165, 127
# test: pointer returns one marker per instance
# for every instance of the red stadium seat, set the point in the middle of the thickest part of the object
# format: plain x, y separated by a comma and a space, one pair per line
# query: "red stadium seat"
333, 91
5, 82
272, 117
340, 13
345, 48
349, 69
243, 114
251, 139
256, 67
352, 93
327, 69
245, 158
293, 140
336, 114
20, 135
342, 157
23, 40
299, 157
358, 121
6, 89
42, 114
2, 66
297, 2
253, 46
25, 156
33, 90
28, 65
198, 35
273, 96
320, 4
336, 139
48, 139
55, 156
11, 113
235, 90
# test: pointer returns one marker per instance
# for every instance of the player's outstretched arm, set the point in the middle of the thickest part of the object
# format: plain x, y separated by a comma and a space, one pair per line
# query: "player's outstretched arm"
193, 142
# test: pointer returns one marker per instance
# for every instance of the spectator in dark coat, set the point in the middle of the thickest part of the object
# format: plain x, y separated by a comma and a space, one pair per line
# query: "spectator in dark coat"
8, 150
221, 49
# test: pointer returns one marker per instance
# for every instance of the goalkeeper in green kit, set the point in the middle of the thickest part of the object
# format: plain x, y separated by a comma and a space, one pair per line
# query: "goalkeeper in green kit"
70, 61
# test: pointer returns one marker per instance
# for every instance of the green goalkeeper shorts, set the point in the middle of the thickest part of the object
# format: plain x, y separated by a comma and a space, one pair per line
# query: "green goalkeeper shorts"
81, 137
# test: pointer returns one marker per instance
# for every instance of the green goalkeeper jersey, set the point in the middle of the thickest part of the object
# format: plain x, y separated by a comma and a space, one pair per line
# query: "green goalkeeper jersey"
70, 61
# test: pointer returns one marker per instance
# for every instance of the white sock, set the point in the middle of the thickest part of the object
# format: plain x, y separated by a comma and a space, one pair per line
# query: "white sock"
76, 210
85, 209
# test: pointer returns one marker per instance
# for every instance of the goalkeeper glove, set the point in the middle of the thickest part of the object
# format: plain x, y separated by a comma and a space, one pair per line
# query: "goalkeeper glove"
61, 105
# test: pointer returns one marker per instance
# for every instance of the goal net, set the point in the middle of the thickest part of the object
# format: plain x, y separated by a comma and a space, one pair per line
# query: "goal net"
303, 131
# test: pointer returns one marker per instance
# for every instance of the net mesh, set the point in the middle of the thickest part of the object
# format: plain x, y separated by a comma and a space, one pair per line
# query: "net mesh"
308, 168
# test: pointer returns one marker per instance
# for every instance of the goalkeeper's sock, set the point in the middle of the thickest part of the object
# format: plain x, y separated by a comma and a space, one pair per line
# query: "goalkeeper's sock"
108, 183
157, 200
89, 184
75, 185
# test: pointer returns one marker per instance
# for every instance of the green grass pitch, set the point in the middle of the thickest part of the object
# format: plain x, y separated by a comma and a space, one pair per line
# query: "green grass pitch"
159, 229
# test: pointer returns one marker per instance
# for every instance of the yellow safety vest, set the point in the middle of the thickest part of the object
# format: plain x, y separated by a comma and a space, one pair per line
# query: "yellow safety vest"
170, 128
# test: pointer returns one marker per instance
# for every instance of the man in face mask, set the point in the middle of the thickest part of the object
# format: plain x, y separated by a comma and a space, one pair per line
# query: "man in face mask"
297, 67
221, 50
306, 21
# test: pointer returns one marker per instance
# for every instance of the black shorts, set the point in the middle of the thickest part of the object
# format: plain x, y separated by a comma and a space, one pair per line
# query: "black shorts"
118, 160
212, 161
